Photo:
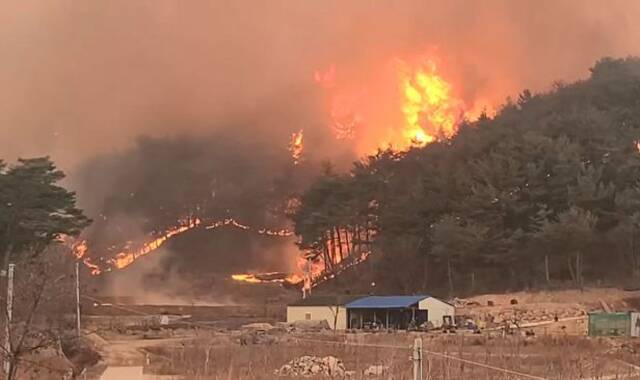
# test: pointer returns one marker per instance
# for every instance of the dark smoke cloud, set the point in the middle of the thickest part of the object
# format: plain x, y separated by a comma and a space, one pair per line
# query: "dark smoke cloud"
85, 77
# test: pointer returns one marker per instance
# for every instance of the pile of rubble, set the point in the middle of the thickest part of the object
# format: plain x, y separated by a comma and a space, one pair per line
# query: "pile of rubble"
313, 365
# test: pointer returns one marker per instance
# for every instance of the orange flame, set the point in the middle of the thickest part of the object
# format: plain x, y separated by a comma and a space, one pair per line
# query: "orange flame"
408, 103
283, 232
95, 269
267, 277
296, 146
79, 249
124, 259
311, 273
430, 109
250, 278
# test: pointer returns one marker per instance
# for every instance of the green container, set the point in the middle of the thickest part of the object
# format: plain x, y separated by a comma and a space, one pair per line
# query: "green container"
610, 324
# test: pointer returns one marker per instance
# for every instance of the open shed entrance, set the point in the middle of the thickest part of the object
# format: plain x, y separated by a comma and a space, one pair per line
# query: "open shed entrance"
397, 319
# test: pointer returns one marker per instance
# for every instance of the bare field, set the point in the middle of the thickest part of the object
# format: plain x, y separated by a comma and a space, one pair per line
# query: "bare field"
204, 354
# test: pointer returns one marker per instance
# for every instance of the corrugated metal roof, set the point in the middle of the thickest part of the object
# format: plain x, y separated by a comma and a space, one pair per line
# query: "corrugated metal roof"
326, 300
385, 302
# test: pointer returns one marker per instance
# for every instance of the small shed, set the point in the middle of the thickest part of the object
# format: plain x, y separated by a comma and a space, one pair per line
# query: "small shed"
317, 308
397, 312
436, 310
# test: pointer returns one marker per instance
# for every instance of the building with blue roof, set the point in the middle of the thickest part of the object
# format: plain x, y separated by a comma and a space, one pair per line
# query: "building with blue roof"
372, 312
397, 312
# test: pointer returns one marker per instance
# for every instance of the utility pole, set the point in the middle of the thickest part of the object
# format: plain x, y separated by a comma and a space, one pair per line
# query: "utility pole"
78, 298
7, 325
417, 359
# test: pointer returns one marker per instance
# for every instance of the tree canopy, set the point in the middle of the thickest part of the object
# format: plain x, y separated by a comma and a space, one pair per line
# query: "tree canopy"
547, 191
34, 209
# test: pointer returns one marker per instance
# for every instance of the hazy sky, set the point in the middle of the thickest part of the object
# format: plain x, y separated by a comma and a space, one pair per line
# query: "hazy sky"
82, 77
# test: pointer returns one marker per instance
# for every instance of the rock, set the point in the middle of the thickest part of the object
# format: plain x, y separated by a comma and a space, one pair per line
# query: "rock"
376, 370
312, 365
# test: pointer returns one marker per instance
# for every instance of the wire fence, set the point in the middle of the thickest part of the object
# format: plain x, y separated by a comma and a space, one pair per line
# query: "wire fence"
428, 358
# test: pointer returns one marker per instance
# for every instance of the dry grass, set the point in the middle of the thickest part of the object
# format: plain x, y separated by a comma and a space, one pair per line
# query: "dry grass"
546, 357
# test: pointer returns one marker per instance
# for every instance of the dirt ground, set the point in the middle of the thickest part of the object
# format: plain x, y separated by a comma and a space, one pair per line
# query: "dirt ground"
219, 355
213, 345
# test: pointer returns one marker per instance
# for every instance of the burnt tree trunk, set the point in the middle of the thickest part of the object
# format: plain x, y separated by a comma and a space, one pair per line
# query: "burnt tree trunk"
327, 256
339, 242
332, 244
346, 238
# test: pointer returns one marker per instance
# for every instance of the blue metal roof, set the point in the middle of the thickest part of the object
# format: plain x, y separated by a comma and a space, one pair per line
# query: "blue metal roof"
385, 302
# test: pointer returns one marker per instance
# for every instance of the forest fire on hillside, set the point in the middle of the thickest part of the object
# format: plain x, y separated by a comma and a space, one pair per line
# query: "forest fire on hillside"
125, 258
410, 103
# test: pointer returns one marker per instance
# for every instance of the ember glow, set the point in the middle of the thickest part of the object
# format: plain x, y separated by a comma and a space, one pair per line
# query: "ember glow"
296, 146
283, 232
268, 277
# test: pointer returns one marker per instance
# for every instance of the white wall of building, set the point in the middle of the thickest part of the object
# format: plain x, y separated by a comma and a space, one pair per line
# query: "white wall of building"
436, 309
317, 313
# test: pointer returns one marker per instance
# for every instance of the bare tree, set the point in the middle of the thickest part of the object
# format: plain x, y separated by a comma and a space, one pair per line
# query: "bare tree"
42, 305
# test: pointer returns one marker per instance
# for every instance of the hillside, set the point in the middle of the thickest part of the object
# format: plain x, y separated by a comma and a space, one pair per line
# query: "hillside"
545, 193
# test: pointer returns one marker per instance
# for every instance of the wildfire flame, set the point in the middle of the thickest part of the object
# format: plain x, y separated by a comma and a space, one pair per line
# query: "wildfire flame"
312, 273
283, 232
296, 146
429, 107
344, 118
124, 259
408, 103
79, 249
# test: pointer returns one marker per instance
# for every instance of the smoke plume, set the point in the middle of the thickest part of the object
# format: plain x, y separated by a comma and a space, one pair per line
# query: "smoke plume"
85, 77
218, 87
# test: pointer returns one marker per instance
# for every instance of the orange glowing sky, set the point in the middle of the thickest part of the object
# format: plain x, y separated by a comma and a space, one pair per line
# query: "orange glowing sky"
80, 78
